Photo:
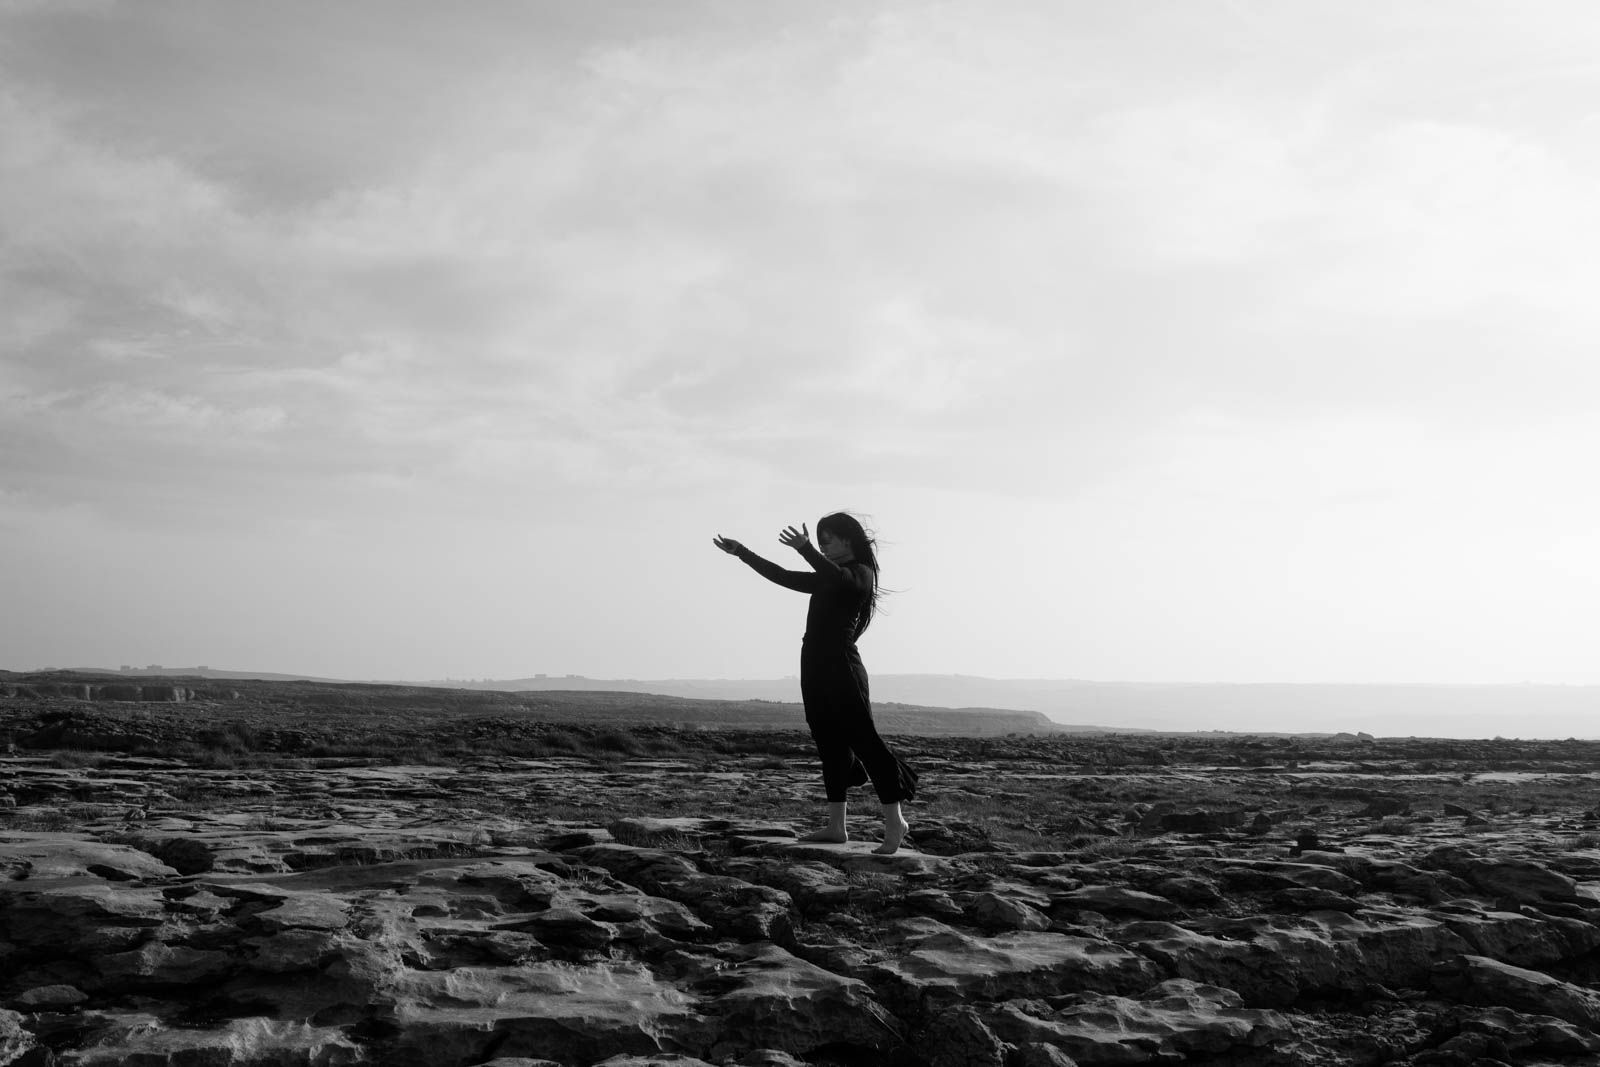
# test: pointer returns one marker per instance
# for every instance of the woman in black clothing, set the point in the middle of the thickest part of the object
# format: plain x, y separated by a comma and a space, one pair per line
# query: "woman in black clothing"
843, 584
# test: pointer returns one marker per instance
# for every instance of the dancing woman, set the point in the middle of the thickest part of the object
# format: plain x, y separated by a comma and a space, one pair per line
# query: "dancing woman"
843, 585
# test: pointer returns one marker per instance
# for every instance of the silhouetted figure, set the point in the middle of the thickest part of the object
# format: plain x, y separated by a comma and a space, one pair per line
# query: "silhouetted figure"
843, 584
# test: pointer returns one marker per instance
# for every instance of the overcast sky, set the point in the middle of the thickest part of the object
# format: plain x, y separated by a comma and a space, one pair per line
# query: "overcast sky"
1188, 341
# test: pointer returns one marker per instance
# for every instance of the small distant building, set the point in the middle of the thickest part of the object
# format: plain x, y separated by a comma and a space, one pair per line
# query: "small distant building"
126, 667
202, 667
154, 667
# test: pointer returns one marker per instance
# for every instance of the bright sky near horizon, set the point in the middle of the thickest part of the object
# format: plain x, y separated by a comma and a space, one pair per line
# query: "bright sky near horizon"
1199, 341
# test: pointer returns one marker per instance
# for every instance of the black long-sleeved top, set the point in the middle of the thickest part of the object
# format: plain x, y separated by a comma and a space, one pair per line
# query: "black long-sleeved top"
839, 593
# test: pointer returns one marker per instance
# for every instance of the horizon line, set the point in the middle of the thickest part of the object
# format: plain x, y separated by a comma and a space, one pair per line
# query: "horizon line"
547, 676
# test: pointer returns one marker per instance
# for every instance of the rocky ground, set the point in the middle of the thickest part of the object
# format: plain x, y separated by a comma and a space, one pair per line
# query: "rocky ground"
1216, 900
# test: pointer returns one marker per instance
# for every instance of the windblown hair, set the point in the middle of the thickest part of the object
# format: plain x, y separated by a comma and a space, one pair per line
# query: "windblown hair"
863, 546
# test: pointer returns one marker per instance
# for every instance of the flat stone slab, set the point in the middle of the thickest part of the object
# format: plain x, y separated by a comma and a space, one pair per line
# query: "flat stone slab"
31, 856
852, 856
579, 1012
1173, 1020
945, 966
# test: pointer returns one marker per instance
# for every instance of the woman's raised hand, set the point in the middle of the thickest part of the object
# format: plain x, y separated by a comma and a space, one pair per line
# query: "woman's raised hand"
728, 545
799, 540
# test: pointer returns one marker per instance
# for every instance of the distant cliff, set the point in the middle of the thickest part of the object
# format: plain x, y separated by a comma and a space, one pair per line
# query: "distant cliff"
1383, 710
153, 693
266, 698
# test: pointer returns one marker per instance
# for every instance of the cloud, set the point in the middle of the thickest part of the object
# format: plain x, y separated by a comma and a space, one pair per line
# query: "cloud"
149, 409
946, 245
54, 7
1220, 312
639, 262
1444, 217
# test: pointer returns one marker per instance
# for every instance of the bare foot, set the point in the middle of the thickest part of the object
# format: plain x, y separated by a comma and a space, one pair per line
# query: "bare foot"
827, 835
894, 832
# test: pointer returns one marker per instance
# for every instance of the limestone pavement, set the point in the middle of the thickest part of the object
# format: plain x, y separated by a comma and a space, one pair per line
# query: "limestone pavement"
521, 912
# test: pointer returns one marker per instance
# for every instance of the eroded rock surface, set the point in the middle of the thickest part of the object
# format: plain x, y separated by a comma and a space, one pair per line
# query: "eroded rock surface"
574, 912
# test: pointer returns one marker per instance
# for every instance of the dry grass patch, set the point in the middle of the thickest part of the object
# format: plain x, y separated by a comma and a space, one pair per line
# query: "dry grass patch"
38, 820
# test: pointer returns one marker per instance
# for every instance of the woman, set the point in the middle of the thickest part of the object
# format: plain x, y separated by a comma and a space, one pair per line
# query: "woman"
843, 584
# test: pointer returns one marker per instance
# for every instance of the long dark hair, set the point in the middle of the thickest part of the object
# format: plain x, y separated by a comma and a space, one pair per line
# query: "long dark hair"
846, 527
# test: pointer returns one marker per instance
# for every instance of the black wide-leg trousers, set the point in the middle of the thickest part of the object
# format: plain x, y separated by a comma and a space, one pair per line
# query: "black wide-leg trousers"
833, 685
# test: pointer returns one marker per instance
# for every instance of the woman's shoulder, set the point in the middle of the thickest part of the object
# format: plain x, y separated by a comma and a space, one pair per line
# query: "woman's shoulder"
861, 571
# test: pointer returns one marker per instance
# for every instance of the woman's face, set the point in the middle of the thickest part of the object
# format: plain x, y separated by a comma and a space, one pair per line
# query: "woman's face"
835, 548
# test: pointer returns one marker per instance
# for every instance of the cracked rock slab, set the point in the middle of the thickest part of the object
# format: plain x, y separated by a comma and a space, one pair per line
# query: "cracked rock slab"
949, 966
1177, 1018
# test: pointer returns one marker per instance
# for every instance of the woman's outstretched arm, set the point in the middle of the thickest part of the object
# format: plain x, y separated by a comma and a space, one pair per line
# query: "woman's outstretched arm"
799, 581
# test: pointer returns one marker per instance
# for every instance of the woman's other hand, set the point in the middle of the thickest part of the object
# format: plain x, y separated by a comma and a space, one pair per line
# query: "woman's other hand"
799, 540
728, 545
